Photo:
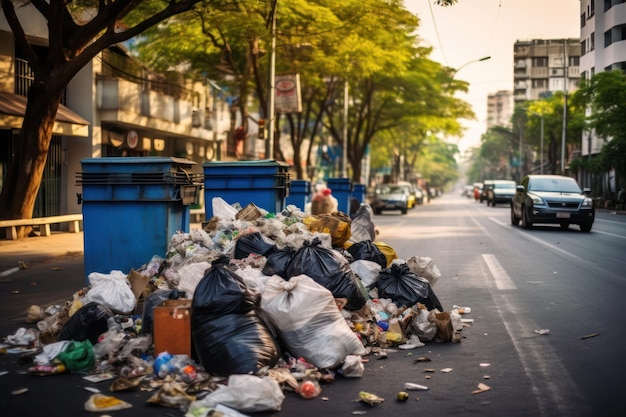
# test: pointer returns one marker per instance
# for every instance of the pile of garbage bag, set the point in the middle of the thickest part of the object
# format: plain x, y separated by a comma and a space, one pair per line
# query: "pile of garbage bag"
279, 303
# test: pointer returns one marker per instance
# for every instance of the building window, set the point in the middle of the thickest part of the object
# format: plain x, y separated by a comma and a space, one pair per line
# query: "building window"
592, 42
607, 38
540, 61
573, 61
592, 7
582, 20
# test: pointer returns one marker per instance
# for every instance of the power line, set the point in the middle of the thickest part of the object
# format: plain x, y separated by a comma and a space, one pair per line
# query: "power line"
432, 16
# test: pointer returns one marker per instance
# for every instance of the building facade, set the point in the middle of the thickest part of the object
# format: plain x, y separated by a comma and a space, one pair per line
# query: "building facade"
545, 66
114, 106
603, 48
499, 108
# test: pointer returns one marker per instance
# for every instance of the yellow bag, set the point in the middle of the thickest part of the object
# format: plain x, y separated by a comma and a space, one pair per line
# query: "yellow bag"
388, 251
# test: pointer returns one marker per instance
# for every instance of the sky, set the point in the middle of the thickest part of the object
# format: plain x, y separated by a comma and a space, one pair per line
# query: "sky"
473, 29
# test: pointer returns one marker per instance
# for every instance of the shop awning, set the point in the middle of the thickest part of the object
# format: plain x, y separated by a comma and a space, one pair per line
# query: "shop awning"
67, 123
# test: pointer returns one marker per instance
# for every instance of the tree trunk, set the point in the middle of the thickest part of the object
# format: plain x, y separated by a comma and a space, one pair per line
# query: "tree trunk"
25, 170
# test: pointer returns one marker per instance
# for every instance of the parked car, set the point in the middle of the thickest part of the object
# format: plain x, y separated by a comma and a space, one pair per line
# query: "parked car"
501, 192
412, 192
552, 199
419, 195
390, 197
487, 184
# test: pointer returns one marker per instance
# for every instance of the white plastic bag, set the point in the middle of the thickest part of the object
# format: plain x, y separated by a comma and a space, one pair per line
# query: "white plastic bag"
222, 209
424, 266
366, 270
245, 393
309, 322
111, 290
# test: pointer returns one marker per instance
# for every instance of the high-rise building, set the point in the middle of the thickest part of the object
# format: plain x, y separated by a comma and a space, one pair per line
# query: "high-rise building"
545, 66
499, 108
603, 48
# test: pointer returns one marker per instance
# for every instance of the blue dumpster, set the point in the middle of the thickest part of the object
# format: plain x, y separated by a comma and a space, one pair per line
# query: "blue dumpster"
359, 192
132, 207
264, 183
342, 190
299, 193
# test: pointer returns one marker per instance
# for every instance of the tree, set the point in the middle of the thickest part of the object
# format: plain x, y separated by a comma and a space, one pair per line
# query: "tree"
605, 95
77, 32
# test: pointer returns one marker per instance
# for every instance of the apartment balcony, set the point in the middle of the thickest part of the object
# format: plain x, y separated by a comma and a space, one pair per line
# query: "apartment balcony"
539, 72
125, 103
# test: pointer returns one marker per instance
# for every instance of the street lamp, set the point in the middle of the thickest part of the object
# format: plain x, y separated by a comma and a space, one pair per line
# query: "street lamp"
541, 147
485, 58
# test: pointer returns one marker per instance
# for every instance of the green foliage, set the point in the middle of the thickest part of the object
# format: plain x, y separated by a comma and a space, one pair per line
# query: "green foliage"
605, 95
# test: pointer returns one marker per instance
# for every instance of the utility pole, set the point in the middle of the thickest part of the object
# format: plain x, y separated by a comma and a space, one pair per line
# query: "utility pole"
269, 146
344, 160
564, 132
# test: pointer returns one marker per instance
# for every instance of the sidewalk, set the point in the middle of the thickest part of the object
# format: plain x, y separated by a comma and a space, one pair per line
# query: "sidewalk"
40, 249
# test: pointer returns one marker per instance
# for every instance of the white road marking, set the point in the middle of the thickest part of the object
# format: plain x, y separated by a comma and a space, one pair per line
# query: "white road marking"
502, 279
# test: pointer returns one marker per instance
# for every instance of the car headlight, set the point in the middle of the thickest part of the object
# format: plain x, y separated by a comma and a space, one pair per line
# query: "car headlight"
587, 203
537, 201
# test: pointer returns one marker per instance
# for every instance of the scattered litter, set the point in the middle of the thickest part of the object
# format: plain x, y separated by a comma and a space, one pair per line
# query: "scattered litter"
481, 388
462, 310
429, 370
467, 321
590, 335
100, 402
486, 377
410, 386
422, 359
19, 391
543, 331
369, 398
403, 396
3, 372
100, 377
484, 365
359, 413
446, 370
92, 389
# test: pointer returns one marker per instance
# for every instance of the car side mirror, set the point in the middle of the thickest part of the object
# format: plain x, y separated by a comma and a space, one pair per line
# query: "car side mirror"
519, 188
586, 191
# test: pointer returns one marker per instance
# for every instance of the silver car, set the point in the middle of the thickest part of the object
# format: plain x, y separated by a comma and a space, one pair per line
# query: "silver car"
390, 197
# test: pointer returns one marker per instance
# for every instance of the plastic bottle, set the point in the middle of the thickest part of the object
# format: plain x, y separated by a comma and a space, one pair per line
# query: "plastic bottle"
160, 366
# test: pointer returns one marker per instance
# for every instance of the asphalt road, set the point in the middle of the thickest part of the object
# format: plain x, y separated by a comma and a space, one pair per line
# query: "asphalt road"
516, 282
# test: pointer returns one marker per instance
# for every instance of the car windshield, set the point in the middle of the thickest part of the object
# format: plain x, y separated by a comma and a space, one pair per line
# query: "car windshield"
508, 184
391, 189
559, 185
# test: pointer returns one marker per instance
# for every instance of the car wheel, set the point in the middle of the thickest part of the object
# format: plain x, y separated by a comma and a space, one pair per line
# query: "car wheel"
404, 210
377, 211
526, 222
564, 225
586, 227
514, 218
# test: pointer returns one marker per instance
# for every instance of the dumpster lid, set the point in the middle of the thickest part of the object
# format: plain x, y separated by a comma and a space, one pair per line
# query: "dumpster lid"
256, 163
139, 160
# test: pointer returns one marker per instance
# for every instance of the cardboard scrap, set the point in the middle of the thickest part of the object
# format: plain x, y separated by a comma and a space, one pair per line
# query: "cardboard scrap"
481, 388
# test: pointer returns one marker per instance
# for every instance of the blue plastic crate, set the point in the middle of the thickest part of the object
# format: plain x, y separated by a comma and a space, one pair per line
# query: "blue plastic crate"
264, 183
342, 190
131, 209
299, 193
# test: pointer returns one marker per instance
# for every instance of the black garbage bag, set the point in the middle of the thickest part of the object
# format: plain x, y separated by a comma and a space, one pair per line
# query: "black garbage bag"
228, 332
253, 243
87, 323
278, 261
405, 288
331, 270
367, 251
